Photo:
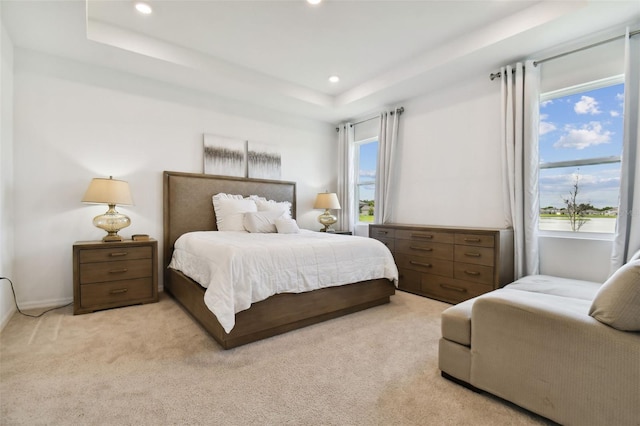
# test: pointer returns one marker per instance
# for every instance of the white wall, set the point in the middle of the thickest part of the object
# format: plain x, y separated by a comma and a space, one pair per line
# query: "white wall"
450, 173
74, 122
7, 307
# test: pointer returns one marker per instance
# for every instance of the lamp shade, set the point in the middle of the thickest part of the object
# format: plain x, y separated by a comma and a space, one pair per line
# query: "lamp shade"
108, 191
327, 200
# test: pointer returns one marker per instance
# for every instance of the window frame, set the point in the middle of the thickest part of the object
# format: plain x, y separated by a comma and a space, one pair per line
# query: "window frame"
569, 91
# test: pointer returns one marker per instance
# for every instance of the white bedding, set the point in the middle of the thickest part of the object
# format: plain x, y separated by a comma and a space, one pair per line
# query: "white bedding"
240, 268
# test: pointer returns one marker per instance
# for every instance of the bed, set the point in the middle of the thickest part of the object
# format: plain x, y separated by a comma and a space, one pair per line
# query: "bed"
188, 208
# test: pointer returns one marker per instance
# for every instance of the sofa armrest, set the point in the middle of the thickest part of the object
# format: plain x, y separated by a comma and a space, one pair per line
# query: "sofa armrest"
546, 354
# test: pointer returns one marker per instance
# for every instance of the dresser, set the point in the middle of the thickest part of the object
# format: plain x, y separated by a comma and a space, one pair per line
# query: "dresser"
114, 274
447, 263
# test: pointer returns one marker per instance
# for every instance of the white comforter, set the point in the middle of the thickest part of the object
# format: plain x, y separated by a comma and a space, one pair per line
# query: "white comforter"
240, 268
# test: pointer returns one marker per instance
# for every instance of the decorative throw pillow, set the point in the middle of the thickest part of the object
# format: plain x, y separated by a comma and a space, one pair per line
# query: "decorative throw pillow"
230, 211
261, 221
287, 226
283, 207
617, 303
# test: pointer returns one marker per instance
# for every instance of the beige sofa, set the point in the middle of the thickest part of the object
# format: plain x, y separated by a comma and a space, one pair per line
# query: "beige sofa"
565, 349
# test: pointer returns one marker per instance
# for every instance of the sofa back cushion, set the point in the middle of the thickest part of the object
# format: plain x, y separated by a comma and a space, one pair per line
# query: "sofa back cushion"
617, 303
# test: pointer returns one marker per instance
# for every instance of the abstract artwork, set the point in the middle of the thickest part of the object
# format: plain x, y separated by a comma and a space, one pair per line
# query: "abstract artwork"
263, 161
225, 156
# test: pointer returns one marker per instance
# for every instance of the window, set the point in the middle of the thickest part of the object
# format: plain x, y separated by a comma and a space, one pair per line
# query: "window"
580, 140
366, 161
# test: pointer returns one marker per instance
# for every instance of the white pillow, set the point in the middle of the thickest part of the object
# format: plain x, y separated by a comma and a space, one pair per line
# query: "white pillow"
284, 207
230, 212
287, 226
223, 196
617, 302
261, 221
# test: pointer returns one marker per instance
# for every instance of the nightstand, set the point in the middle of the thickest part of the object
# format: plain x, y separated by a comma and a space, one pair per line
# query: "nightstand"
114, 274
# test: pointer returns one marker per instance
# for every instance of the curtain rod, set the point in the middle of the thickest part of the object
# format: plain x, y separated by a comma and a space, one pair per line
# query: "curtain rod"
493, 76
398, 110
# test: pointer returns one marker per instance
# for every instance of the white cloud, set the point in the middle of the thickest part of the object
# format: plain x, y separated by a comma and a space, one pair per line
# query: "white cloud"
368, 173
620, 97
586, 105
546, 127
614, 113
545, 103
588, 135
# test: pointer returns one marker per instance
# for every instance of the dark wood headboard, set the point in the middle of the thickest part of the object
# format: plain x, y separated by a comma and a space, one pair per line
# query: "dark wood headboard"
188, 202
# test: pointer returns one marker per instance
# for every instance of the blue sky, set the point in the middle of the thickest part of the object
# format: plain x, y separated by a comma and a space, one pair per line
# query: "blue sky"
367, 172
581, 126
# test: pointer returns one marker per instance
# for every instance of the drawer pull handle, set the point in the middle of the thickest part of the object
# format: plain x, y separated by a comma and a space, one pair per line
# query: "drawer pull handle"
421, 248
472, 254
119, 291
383, 232
118, 271
471, 272
428, 237
118, 254
452, 287
426, 265
472, 240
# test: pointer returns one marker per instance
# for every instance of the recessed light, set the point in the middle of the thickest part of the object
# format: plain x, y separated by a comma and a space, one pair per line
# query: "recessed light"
144, 8
334, 79
314, 2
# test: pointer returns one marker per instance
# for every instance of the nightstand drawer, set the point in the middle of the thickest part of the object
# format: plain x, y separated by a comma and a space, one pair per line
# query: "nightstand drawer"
115, 254
115, 271
115, 292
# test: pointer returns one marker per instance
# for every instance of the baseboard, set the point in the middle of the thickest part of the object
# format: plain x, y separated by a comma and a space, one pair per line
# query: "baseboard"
45, 304
7, 317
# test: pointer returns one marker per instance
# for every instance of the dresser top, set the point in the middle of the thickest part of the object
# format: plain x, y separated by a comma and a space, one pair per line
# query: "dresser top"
440, 227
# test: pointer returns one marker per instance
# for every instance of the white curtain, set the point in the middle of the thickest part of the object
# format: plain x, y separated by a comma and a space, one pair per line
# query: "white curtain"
387, 144
346, 177
520, 87
627, 236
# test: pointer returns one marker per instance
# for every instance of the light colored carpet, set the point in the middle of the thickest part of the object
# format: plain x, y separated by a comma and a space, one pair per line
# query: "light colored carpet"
154, 365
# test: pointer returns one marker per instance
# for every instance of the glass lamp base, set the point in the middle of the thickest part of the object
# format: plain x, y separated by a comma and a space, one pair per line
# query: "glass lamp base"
327, 219
112, 222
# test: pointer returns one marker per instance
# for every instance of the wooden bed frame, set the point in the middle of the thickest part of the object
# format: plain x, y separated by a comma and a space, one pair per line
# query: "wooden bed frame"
188, 207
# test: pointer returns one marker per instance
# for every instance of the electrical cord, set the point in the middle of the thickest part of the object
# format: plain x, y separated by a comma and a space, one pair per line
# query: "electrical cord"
29, 315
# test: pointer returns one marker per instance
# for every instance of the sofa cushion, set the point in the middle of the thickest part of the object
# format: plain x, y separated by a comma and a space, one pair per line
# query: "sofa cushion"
617, 303
564, 287
456, 323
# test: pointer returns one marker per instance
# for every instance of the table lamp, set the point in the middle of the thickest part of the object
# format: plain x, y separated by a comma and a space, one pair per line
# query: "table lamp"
327, 201
111, 192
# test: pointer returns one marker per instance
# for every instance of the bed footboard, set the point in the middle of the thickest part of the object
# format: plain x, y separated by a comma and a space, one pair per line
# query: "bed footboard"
280, 313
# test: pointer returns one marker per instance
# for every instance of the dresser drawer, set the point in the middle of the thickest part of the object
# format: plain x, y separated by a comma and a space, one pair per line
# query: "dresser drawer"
451, 290
476, 273
379, 232
475, 240
425, 264
389, 242
421, 248
115, 254
114, 271
115, 292
409, 280
425, 235
477, 255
